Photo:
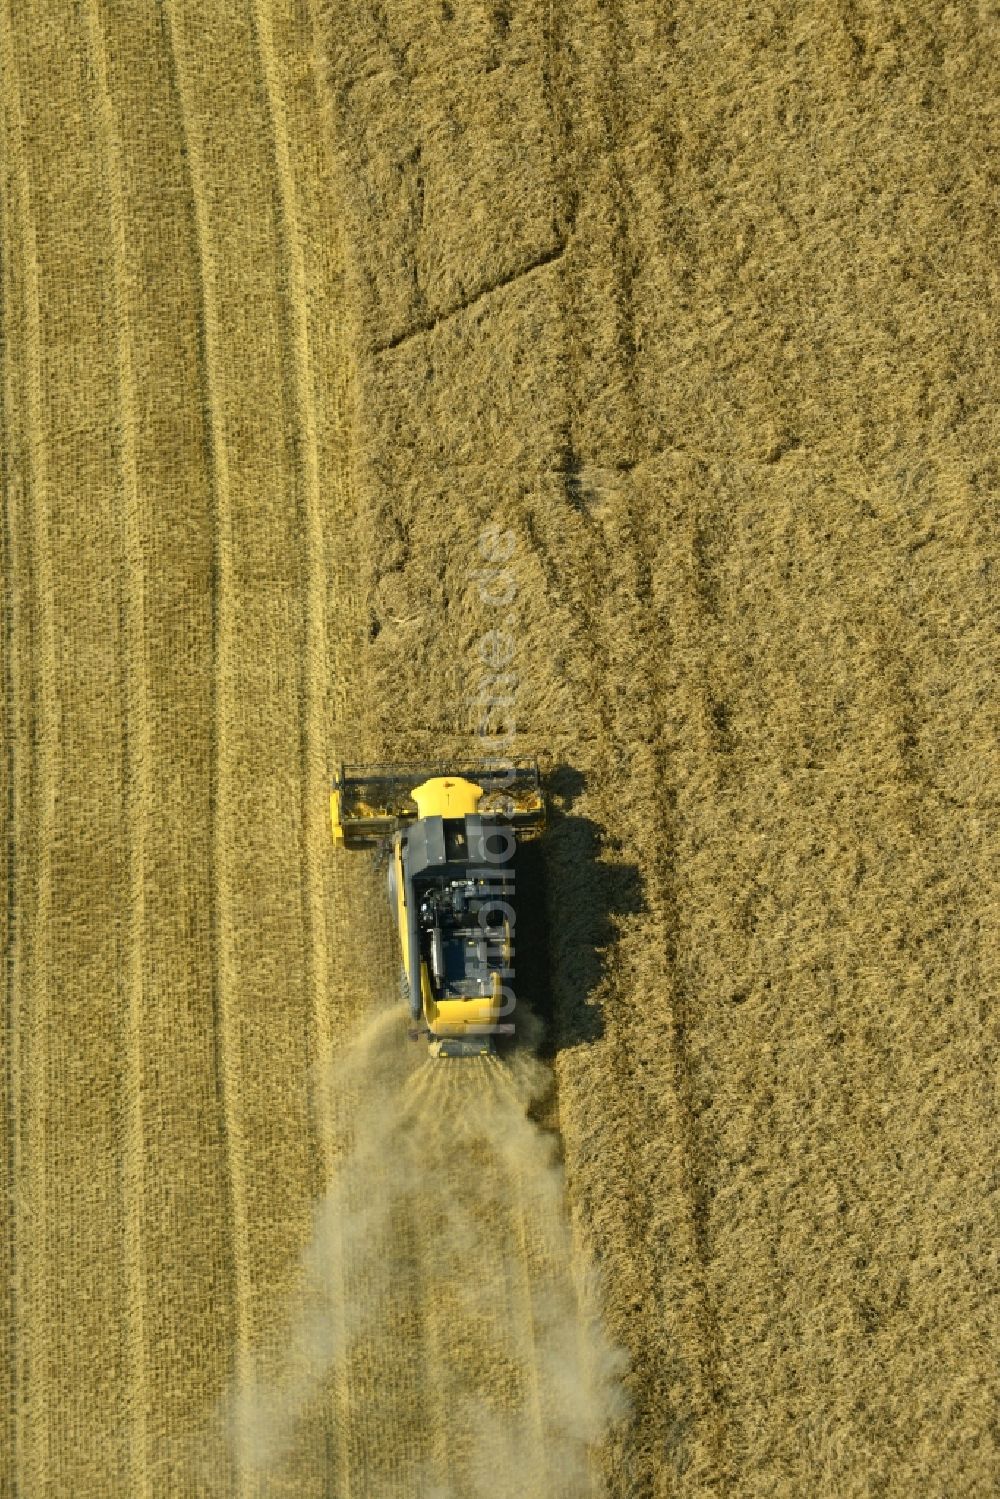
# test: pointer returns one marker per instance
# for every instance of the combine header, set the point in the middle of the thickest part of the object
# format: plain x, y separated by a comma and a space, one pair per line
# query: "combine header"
452, 836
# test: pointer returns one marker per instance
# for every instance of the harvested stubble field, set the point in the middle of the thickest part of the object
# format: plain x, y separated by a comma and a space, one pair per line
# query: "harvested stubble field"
696, 309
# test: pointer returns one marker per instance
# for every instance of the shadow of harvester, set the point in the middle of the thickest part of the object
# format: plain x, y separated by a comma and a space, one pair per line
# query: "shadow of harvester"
570, 894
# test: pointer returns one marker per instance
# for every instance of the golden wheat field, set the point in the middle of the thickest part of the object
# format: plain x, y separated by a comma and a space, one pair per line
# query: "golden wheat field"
612, 383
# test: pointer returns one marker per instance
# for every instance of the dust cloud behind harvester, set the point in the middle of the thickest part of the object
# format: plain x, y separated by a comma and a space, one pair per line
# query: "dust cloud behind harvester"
440, 1307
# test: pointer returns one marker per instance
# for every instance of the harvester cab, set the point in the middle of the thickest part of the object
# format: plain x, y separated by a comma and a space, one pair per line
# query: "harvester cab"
452, 839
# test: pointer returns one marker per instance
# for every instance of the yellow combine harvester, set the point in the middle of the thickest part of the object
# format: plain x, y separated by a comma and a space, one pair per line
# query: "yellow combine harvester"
452, 837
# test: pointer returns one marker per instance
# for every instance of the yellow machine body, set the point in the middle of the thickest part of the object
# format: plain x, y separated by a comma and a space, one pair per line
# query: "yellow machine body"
450, 895
451, 797
447, 796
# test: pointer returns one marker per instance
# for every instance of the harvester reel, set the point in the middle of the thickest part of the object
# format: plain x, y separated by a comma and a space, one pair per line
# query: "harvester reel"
374, 801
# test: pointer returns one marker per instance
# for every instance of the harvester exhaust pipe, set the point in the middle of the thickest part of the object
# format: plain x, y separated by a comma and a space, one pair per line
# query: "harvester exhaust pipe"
437, 957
